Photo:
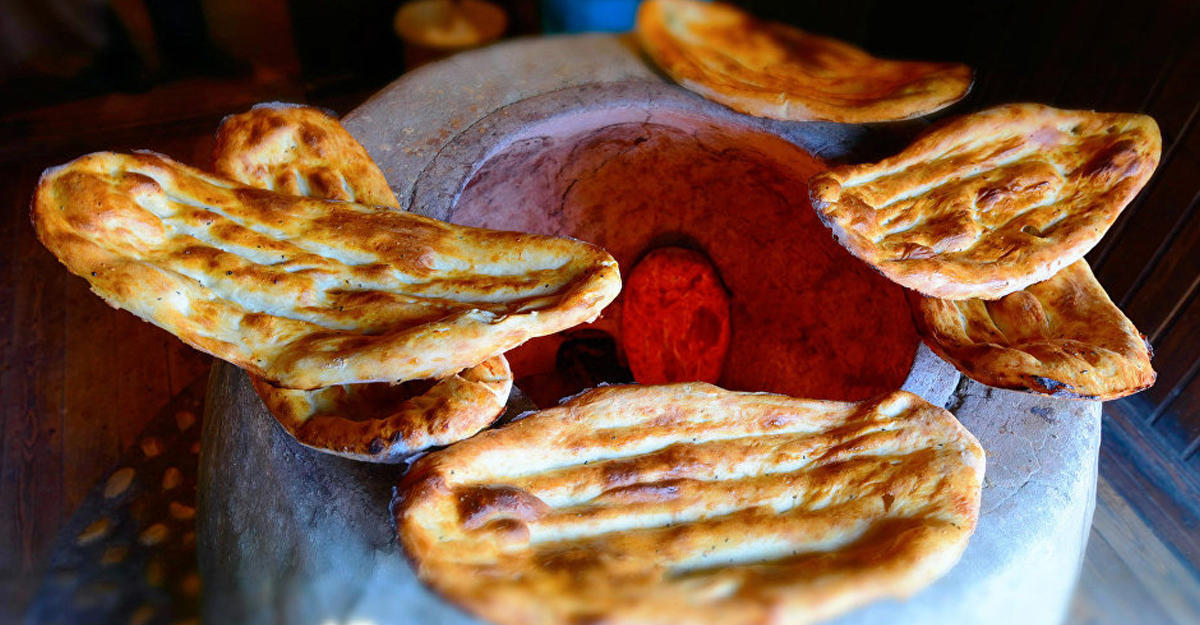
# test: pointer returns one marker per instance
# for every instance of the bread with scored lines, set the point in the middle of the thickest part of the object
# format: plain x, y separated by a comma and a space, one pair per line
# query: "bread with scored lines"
773, 70
1062, 337
298, 150
689, 504
992, 202
391, 422
303, 151
304, 292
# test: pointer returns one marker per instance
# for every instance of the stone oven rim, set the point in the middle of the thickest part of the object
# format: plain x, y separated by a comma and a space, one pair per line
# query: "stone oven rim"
439, 184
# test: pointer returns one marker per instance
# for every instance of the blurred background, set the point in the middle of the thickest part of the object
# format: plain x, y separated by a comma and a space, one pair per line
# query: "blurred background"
56, 51
83, 75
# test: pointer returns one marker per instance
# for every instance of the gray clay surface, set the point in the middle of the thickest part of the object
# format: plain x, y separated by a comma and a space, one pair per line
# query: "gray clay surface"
290, 535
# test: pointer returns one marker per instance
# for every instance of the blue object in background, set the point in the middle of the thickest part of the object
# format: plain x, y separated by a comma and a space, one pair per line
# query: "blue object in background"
573, 16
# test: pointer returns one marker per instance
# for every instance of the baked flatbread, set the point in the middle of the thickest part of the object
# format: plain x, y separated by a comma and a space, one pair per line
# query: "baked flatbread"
310, 152
773, 70
992, 202
1062, 337
689, 504
390, 422
309, 293
298, 150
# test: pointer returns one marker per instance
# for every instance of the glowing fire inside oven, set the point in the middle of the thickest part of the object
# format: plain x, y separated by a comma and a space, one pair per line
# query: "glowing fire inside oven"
802, 316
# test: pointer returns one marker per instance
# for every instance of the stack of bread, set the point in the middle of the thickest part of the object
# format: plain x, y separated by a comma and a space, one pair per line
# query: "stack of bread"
987, 218
378, 334
369, 331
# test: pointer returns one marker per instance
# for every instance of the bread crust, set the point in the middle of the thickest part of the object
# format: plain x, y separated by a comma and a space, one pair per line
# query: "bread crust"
689, 504
303, 151
303, 292
298, 150
380, 423
773, 70
992, 202
1062, 337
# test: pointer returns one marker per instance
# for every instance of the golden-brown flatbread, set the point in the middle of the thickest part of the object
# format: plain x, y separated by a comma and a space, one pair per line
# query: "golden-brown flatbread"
383, 422
773, 70
1062, 337
309, 293
991, 202
306, 150
689, 504
298, 150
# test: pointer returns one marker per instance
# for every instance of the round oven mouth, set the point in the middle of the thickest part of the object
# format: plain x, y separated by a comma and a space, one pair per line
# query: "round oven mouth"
636, 166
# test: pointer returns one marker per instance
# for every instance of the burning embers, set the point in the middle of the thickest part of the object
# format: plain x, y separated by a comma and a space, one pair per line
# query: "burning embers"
674, 327
675, 321
800, 315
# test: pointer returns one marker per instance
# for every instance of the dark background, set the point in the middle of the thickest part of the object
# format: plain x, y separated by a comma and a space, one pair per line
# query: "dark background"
1040, 50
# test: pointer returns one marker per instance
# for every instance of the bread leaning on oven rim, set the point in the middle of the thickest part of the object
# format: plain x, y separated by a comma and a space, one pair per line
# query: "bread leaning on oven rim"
992, 202
303, 292
773, 70
298, 150
305, 151
692, 505
390, 423
1062, 337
